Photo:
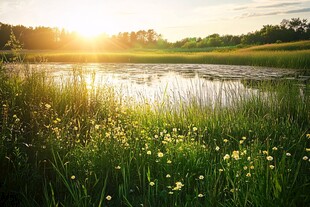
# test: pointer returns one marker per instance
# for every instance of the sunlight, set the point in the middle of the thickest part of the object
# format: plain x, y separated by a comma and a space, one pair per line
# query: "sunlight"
89, 20
89, 32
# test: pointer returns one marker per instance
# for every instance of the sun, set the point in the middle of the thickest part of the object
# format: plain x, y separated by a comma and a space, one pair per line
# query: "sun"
89, 31
88, 21
91, 20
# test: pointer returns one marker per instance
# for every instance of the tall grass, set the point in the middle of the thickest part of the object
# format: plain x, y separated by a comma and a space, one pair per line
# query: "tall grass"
280, 59
285, 55
63, 144
289, 46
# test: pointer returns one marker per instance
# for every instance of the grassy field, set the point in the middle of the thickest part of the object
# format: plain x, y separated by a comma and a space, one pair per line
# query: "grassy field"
285, 55
65, 145
289, 46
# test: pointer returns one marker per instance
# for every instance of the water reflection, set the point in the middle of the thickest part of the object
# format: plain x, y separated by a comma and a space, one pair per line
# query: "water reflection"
175, 83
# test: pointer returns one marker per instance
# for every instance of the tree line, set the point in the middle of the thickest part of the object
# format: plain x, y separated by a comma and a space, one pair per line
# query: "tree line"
294, 29
287, 31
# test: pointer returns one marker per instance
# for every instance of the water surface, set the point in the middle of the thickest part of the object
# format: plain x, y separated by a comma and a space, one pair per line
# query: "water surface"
176, 83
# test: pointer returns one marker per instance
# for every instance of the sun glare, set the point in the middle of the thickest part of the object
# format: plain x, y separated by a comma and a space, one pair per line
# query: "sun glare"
91, 24
89, 32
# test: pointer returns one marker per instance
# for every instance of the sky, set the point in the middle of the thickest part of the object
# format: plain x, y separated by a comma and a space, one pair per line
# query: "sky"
174, 19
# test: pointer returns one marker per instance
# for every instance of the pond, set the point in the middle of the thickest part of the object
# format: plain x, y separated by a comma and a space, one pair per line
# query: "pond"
175, 83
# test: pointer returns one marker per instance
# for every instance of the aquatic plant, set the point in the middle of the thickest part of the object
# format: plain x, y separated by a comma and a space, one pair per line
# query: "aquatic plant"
89, 147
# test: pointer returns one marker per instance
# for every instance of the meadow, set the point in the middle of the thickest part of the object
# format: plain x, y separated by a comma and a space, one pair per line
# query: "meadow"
64, 144
283, 55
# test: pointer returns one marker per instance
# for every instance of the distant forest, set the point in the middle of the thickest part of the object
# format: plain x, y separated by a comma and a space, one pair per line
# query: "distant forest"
53, 38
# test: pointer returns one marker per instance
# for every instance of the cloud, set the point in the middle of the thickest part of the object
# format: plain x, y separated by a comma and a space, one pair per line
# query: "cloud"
298, 11
247, 15
279, 5
240, 8
266, 5
260, 8
13, 3
7, 6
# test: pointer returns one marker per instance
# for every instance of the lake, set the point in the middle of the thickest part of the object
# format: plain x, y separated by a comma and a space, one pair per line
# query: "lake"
175, 83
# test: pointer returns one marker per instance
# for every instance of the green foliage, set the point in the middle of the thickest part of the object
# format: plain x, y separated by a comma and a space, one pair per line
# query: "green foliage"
16, 47
295, 29
285, 55
89, 147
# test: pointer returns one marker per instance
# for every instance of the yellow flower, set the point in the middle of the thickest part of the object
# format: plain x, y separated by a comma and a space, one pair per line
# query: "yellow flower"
72, 177
269, 158
160, 154
200, 195
244, 138
226, 157
243, 153
265, 152
178, 186
225, 140
118, 167
241, 141
248, 174
217, 148
149, 152
235, 155
307, 149
47, 106
308, 136
97, 126
169, 161
152, 183
245, 167
288, 154
232, 190
201, 177
274, 148
108, 197
252, 167
168, 176
195, 129
271, 167
305, 158
221, 170
170, 193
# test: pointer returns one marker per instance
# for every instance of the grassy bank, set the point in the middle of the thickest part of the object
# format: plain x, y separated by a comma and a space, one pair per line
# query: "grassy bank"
285, 55
65, 145
289, 46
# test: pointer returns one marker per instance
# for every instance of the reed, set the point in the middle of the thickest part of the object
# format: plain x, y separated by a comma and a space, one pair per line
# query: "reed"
89, 147
286, 55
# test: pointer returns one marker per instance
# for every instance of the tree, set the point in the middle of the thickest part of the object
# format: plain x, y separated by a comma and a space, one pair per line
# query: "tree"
190, 44
300, 27
133, 39
151, 36
214, 40
5, 31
